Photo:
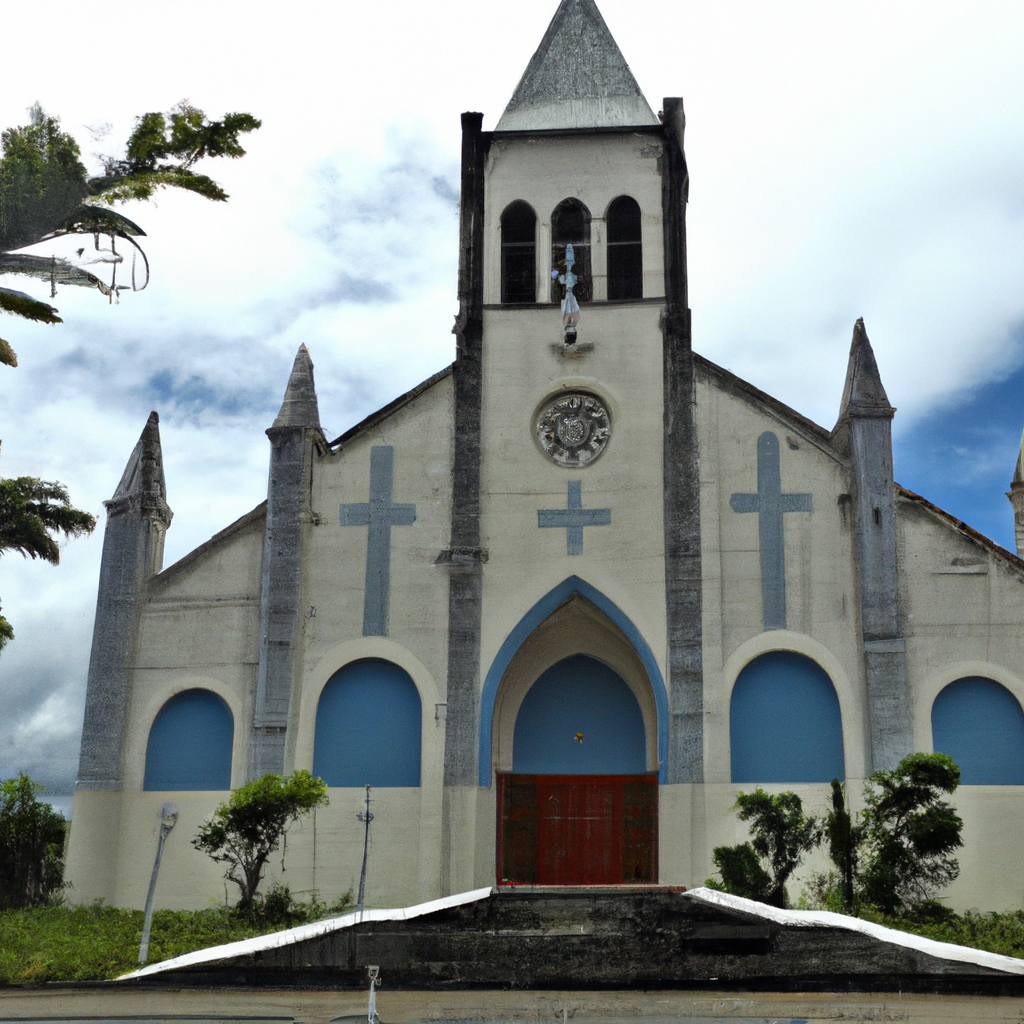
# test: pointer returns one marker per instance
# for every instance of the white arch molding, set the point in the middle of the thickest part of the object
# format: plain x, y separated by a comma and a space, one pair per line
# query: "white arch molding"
937, 680
336, 658
146, 705
575, 627
851, 706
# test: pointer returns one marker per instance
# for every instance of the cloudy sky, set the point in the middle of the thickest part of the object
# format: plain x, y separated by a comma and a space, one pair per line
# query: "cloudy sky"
845, 160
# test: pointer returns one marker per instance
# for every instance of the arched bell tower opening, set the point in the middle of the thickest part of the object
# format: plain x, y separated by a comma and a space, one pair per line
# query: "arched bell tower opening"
575, 747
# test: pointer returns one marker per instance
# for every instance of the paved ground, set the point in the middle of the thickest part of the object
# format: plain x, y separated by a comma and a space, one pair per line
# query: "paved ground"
106, 1003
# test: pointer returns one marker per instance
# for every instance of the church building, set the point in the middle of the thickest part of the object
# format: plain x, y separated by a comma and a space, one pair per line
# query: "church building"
560, 602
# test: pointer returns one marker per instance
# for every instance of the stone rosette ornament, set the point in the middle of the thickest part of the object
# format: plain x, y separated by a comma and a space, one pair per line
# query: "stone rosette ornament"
573, 428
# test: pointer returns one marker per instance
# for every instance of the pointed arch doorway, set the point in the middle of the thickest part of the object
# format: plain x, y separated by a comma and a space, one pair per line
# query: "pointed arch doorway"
576, 747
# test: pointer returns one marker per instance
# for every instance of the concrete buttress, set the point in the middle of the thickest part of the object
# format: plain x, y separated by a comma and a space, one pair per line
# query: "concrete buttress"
133, 547
293, 436
865, 425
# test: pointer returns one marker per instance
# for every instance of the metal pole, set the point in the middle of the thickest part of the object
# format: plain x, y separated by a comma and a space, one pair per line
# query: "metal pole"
373, 970
365, 817
168, 816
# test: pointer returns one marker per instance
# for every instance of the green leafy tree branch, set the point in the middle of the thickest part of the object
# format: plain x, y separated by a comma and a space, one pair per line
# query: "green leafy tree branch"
31, 846
245, 831
44, 187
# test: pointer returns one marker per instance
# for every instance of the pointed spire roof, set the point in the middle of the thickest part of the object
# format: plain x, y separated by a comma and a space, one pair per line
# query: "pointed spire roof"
578, 78
299, 408
1018, 473
863, 394
142, 482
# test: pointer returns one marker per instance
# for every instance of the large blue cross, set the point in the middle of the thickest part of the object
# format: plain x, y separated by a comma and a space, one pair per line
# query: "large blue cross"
770, 504
380, 513
573, 518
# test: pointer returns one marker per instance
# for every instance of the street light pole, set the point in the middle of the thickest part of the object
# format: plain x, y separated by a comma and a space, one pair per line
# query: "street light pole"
168, 816
366, 817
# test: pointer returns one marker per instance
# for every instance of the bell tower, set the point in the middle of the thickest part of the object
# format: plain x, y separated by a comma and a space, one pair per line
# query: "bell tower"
575, 446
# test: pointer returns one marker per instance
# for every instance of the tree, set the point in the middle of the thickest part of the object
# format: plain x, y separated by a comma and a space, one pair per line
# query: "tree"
245, 831
781, 835
910, 833
741, 871
844, 839
43, 185
31, 511
31, 846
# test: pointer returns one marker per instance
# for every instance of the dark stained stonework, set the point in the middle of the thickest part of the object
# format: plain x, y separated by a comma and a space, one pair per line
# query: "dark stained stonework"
597, 939
466, 575
133, 544
864, 433
681, 474
293, 437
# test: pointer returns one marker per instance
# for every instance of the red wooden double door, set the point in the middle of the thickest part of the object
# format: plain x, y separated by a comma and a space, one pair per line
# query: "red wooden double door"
577, 829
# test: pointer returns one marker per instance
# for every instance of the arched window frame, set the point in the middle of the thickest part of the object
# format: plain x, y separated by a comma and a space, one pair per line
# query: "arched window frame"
624, 233
561, 235
417, 728
752, 658
969, 777
148, 783
620, 744
518, 226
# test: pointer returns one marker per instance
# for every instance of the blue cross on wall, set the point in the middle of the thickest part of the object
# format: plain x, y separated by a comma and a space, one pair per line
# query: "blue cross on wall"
573, 518
380, 514
770, 504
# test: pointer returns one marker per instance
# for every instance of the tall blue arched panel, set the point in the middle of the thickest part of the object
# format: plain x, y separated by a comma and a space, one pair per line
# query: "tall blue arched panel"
784, 722
980, 724
368, 726
190, 743
579, 718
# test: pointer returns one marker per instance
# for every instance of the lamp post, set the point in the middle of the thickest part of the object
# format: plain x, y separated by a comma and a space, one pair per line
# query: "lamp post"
365, 817
168, 816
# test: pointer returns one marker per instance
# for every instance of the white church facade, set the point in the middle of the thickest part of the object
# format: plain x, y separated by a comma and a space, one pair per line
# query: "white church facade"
560, 602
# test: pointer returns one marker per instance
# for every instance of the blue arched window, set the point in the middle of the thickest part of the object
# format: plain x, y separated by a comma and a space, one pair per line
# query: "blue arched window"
368, 726
980, 724
190, 743
784, 722
579, 718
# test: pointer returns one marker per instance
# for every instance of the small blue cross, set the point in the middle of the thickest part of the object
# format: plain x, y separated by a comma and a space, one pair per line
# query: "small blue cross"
573, 518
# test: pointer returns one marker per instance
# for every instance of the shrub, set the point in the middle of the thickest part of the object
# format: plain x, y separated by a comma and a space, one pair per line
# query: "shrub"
31, 846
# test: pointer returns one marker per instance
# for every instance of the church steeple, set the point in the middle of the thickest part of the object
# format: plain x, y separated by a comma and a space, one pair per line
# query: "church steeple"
133, 544
578, 78
295, 437
864, 431
1016, 496
863, 394
299, 408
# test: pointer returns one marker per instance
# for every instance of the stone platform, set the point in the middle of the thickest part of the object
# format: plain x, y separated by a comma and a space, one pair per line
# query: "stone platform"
595, 939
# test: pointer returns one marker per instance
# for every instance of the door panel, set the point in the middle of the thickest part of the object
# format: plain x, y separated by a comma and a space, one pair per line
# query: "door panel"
577, 829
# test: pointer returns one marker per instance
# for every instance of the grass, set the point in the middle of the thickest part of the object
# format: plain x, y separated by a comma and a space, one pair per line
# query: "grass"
42, 944
92, 943
994, 932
